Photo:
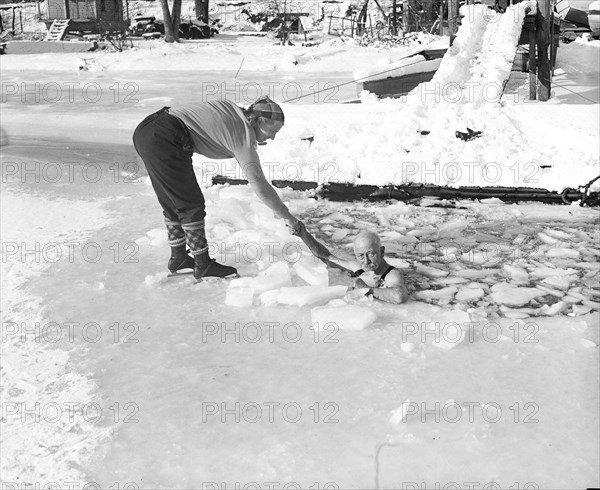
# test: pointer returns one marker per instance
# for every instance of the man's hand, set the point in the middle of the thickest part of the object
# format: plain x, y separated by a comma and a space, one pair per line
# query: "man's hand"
295, 225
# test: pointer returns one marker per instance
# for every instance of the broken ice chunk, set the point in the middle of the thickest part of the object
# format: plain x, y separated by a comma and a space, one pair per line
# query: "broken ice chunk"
430, 294
445, 281
339, 235
579, 310
514, 296
560, 282
269, 298
554, 309
547, 239
516, 273
312, 271
553, 292
240, 282
592, 304
561, 235
517, 315
346, 317
543, 272
563, 253
576, 294
476, 274
469, 294
275, 277
307, 295
431, 271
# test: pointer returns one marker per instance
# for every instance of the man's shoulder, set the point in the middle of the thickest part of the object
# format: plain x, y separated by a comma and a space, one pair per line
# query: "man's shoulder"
393, 278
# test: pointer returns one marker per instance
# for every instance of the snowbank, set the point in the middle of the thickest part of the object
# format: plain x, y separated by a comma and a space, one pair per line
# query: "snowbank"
45, 435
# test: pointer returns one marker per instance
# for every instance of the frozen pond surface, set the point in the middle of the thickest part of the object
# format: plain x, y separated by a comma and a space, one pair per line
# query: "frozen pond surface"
127, 89
199, 393
172, 357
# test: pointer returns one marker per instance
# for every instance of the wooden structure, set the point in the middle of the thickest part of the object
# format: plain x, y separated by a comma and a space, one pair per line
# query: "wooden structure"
342, 191
540, 35
94, 16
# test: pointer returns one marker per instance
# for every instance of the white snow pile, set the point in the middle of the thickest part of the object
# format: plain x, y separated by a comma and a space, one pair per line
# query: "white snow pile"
481, 57
42, 396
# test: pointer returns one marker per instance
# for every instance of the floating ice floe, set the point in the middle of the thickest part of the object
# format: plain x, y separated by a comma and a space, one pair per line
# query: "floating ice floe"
275, 277
430, 294
514, 296
469, 294
345, 317
308, 295
312, 271
431, 271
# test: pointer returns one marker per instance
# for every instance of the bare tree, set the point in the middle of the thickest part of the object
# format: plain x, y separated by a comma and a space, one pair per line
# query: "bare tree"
171, 20
201, 7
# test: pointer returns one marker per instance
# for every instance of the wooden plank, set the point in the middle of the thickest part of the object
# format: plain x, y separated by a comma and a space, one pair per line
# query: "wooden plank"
340, 191
532, 66
543, 39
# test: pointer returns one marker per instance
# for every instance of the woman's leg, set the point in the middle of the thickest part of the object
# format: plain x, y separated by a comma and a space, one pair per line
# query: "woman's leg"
162, 141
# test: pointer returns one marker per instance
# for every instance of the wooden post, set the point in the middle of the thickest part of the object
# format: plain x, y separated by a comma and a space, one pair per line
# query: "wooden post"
394, 19
406, 16
532, 65
201, 9
542, 30
284, 24
329, 29
453, 10
556, 25
441, 18
13, 19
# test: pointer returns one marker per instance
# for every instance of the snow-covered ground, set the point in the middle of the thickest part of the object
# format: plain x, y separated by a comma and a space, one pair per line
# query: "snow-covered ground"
131, 380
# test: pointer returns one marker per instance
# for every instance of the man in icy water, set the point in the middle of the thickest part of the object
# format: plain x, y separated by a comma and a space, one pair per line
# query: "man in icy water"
383, 280
166, 141
370, 270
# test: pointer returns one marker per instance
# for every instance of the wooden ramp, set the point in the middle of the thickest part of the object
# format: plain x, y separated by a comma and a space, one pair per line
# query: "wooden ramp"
58, 30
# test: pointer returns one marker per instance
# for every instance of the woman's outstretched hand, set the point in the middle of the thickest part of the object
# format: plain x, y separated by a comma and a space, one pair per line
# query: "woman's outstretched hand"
295, 226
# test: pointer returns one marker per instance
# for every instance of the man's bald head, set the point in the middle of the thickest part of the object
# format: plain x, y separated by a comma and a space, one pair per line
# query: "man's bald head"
368, 250
367, 238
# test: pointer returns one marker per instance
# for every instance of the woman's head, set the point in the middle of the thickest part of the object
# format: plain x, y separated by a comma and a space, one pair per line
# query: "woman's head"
266, 117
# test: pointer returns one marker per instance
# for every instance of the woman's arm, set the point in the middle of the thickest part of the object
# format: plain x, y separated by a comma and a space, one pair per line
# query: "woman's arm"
265, 191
